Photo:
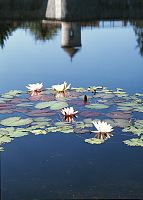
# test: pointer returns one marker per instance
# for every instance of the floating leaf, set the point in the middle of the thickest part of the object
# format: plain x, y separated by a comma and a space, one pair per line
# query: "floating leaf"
59, 105
134, 130
124, 108
6, 111
41, 119
1, 149
45, 104
134, 142
39, 132
88, 121
122, 123
119, 115
89, 114
128, 104
94, 141
40, 113
24, 105
54, 105
97, 106
41, 124
18, 133
15, 121
139, 94
139, 108
5, 139
81, 131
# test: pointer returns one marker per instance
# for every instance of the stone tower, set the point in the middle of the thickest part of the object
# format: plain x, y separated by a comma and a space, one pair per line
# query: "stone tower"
54, 9
71, 37
71, 34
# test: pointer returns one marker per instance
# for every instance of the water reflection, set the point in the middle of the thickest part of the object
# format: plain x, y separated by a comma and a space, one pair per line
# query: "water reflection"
138, 28
70, 32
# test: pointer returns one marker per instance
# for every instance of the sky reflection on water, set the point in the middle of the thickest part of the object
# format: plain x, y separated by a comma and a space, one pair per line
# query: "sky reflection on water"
108, 56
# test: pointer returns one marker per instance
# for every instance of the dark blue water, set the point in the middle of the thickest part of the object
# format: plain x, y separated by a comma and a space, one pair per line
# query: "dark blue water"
60, 166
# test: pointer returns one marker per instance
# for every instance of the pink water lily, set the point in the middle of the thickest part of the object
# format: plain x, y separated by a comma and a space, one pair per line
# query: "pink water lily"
35, 87
69, 112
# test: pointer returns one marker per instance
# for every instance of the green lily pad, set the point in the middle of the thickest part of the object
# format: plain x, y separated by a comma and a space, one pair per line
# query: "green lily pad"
41, 119
139, 94
41, 124
94, 141
134, 142
5, 139
139, 108
45, 104
1, 149
16, 121
11, 94
119, 115
18, 133
24, 105
124, 108
59, 105
134, 130
39, 132
97, 106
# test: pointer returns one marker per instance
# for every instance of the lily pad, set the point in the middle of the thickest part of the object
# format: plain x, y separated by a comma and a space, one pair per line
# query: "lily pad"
45, 104
94, 141
97, 106
24, 105
119, 115
40, 113
1, 149
134, 130
39, 132
5, 139
89, 114
58, 105
6, 111
139, 108
134, 142
16, 121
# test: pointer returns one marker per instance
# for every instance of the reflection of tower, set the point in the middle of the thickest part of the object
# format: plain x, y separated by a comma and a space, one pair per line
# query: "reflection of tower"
71, 37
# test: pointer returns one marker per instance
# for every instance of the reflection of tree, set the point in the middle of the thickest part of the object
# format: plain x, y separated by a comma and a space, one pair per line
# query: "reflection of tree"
138, 28
6, 30
38, 30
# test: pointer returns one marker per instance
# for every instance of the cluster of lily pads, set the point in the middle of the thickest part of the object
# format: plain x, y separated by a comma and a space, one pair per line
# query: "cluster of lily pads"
51, 110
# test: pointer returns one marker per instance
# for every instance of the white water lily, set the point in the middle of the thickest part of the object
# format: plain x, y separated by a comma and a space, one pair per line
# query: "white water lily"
102, 127
69, 112
62, 87
35, 87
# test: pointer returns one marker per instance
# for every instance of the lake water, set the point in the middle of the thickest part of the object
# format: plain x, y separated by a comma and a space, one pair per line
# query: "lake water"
62, 166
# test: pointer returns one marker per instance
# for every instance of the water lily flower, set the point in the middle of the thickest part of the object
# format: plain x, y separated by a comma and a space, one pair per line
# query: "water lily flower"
102, 127
61, 88
60, 95
103, 130
35, 87
69, 112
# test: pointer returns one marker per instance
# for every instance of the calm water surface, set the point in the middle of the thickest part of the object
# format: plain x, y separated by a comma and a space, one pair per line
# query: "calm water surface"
58, 165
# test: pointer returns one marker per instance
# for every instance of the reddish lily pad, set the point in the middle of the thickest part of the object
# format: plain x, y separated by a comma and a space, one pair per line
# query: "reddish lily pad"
119, 115
78, 102
6, 111
89, 114
42, 98
40, 113
21, 110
